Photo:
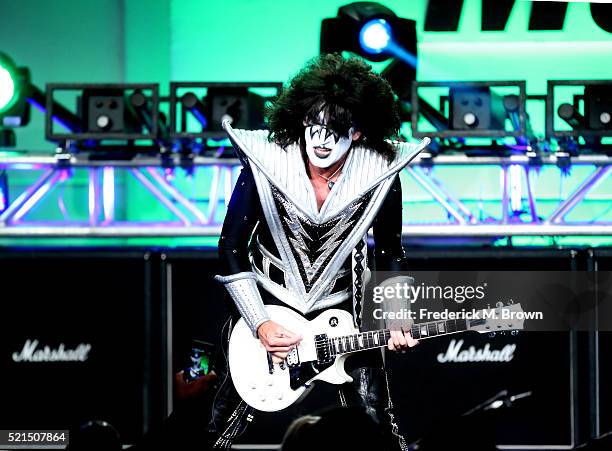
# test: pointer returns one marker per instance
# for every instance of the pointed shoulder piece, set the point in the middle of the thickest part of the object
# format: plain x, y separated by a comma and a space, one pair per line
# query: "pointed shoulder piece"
285, 169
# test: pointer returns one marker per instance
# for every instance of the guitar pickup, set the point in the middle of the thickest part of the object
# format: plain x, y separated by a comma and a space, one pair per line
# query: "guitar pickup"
293, 358
322, 346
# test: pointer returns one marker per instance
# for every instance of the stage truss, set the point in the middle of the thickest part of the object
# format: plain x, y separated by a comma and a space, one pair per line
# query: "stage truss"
193, 218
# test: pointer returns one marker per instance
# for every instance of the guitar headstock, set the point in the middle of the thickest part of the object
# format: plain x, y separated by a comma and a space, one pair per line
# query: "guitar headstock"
498, 319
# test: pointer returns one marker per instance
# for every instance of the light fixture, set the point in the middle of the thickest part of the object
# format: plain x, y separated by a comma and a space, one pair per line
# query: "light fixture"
198, 108
375, 36
473, 109
371, 30
589, 114
14, 88
106, 113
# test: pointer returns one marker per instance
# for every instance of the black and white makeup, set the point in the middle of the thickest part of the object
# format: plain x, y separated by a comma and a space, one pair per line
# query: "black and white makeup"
325, 147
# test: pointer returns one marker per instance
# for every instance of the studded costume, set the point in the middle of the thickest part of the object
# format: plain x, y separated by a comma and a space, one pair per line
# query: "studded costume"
278, 247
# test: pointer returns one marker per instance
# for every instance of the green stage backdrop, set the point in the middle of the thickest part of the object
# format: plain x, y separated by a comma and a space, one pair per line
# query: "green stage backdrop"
269, 40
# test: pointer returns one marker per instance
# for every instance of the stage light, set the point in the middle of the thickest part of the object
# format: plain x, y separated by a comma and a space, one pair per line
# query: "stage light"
476, 108
371, 30
376, 33
9, 86
480, 109
14, 88
598, 106
375, 36
7, 89
589, 114
197, 109
104, 112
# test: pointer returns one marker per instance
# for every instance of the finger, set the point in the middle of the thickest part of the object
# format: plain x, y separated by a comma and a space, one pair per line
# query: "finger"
402, 340
284, 341
285, 333
396, 341
279, 348
276, 359
390, 345
410, 341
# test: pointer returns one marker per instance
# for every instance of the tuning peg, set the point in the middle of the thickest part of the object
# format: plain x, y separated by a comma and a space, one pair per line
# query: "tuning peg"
514, 333
511, 302
492, 334
500, 304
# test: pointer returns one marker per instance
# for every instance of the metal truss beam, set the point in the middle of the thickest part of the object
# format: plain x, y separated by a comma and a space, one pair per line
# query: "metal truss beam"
193, 220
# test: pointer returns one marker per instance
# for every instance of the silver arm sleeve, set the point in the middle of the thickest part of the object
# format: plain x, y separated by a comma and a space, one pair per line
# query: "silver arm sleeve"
242, 288
398, 303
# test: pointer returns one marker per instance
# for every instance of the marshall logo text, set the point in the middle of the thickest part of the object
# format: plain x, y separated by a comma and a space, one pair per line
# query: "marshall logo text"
455, 353
32, 353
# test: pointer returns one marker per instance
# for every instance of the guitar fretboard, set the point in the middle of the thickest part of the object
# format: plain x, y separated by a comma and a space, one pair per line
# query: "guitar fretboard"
379, 338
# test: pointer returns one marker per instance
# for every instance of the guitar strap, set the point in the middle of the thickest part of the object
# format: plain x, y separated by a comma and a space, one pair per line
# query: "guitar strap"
359, 265
236, 426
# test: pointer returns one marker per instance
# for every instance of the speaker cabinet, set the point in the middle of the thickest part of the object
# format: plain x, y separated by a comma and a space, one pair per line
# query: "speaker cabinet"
433, 387
602, 345
76, 340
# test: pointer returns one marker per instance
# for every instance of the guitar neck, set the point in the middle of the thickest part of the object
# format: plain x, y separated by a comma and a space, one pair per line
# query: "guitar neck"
379, 338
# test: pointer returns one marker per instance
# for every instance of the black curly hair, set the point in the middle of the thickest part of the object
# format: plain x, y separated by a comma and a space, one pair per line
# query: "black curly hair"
349, 93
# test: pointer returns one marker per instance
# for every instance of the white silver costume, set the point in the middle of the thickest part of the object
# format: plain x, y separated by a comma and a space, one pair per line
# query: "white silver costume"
310, 265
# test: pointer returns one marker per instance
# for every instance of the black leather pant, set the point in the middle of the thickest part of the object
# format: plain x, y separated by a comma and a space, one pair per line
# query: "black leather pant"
369, 389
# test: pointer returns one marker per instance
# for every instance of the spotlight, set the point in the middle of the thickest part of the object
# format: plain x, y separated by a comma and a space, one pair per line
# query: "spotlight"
589, 115
103, 112
476, 108
235, 104
197, 109
472, 109
375, 36
371, 30
14, 88
7, 88
598, 106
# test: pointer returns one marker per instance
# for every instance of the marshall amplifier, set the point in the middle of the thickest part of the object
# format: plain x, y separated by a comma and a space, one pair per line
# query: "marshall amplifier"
77, 340
196, 303
602, 346
441, 379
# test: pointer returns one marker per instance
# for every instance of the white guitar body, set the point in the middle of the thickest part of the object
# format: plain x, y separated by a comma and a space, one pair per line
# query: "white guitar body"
326, 342
271, 391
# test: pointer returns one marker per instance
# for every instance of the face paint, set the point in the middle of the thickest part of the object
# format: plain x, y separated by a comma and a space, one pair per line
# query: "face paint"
325, 147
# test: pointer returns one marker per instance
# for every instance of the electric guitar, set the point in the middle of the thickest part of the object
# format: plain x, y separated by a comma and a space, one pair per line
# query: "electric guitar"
326, 342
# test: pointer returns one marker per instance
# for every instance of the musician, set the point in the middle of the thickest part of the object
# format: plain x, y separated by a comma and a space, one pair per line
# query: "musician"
295, 233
